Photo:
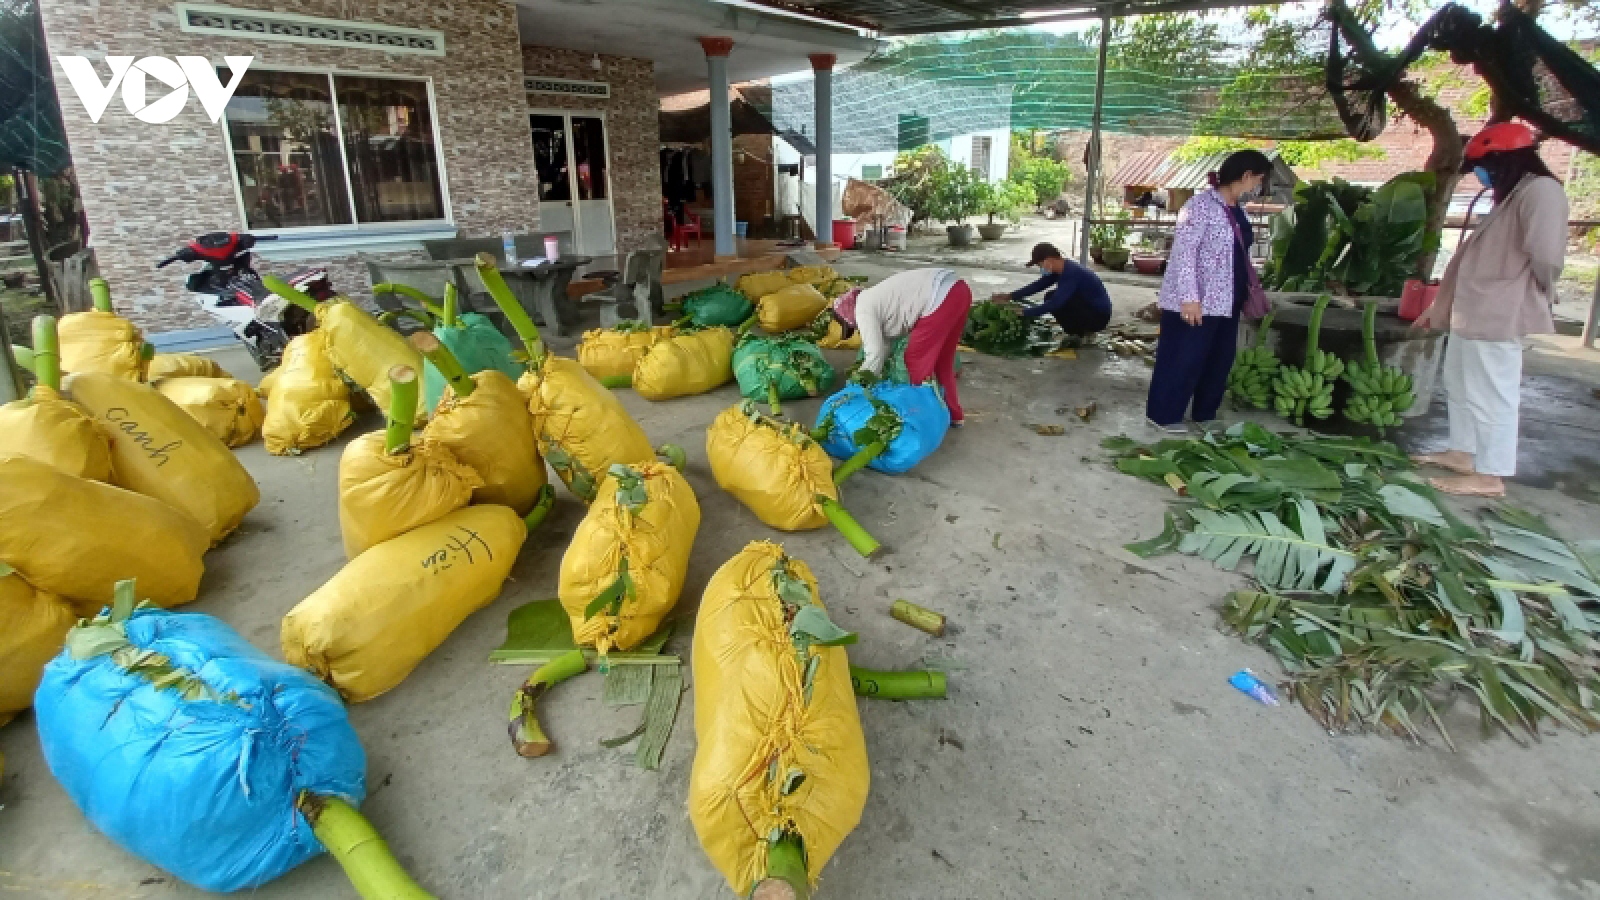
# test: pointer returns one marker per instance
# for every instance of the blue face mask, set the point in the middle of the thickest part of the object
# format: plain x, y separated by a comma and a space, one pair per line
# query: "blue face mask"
1483, 175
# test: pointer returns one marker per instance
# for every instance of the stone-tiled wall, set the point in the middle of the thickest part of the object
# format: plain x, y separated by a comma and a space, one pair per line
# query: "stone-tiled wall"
633, 130
147, 188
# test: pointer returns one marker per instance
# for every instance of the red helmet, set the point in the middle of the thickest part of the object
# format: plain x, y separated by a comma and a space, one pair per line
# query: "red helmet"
1498, 138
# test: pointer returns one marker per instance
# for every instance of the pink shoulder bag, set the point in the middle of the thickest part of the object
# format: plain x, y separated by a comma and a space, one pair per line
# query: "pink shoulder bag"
1256, 304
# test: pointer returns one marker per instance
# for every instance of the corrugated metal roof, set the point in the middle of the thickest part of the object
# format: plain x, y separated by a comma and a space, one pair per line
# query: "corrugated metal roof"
1172, 174
1139, 169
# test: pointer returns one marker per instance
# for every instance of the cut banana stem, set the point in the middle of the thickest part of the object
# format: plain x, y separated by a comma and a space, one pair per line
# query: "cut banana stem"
541, 508
617, 381
859, 461
489, 273
289, 293
526, 736
674, 455
100, 293
359, 849
437, 353
918, 617
786, 872
46, 352
402, 409
417, 294
840, 518
916, 684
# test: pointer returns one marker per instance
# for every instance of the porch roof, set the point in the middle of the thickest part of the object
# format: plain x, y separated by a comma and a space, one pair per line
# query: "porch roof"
905, 17
667, 32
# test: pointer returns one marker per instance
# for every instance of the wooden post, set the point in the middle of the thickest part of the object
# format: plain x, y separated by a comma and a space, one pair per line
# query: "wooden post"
33, 227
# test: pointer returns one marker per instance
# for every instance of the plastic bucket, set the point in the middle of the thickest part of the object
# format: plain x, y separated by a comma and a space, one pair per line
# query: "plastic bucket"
897, 238
844, 234
1416, 298
740, 229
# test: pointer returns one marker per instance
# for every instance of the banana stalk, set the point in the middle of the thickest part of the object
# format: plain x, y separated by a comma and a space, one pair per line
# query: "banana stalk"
402, 409
290, 293
916, 684
489, 274
786, 871
859, 461
429, 345
846, 524
46, 352
526, 736
359, 849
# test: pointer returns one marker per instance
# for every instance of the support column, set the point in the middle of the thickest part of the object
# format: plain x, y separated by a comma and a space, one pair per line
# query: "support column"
1093, 152
717, 50
822, 80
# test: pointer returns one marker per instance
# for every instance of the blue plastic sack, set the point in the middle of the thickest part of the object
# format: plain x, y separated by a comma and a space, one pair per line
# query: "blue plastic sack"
478, 345
922, 411
203, 788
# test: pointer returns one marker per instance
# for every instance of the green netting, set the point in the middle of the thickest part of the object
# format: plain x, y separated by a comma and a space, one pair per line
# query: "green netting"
31, 135
1028, 80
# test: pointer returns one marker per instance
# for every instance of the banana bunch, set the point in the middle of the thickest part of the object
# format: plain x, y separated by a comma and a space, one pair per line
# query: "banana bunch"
1250, 379
1299, 392
1378, 393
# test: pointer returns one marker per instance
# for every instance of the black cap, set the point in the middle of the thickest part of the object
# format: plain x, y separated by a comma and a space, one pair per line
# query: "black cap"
1042, 252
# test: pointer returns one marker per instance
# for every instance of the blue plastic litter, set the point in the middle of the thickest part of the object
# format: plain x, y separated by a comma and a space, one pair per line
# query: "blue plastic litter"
922, 409
204, 789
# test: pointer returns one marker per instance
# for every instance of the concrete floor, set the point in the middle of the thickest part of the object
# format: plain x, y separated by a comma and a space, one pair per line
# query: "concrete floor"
1090, 747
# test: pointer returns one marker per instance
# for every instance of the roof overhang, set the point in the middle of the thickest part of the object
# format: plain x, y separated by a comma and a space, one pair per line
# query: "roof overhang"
891, 18
765, 43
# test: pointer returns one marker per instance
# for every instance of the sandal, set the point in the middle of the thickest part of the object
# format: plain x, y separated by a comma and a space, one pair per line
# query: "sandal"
1460, 488
1438, 460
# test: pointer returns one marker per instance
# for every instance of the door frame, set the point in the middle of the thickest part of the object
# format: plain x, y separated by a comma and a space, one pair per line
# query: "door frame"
572, 171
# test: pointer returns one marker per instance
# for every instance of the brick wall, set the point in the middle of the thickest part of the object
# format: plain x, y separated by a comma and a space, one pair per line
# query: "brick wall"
633, 130
147, 188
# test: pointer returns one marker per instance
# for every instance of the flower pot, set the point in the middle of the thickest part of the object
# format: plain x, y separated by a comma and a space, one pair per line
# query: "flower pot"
1098, 255
960, 235
1149, 265
1114, 258
992, 232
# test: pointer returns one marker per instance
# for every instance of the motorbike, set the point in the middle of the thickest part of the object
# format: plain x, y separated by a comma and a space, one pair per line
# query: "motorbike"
230, 289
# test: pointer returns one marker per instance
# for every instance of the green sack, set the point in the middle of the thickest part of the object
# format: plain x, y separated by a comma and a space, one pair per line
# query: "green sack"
478, 345
795, 366
718, 304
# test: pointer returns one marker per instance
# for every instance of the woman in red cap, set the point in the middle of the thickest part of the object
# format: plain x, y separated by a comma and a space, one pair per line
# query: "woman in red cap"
1498, 287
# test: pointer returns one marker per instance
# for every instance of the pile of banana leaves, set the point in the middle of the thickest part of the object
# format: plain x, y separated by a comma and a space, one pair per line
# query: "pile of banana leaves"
1381, 604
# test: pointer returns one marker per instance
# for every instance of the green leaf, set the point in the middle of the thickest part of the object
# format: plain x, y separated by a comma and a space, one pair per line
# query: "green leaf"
1165, 542
95, 639
1404, 502
812, 621
1285, 558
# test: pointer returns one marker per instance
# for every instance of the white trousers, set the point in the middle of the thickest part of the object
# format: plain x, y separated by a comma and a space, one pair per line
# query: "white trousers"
1482, 383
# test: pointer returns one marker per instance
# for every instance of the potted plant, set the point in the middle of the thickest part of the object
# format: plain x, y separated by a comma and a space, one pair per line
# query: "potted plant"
955, 199
1108, 242
1149, 257
1007, 200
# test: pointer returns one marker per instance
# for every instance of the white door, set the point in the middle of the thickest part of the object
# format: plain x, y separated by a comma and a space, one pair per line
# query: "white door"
574, 179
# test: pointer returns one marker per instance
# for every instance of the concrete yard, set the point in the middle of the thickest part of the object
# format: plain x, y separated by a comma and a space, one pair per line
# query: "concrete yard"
1091, 746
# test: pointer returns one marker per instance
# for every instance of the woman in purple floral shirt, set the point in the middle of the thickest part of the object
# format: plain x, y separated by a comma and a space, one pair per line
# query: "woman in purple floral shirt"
1207, 281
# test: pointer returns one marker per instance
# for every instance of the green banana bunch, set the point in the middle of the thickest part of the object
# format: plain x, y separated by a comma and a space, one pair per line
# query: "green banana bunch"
1308, 391
1379, 394
1250, 379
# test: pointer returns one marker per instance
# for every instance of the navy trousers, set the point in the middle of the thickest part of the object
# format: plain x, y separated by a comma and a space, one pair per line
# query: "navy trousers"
1192, 363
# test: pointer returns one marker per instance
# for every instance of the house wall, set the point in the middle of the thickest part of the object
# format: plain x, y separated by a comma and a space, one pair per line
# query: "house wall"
633, 130
147, 188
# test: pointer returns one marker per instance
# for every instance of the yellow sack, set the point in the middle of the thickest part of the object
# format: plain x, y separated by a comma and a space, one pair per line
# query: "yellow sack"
491, 431
227, 407
368, 627
793, 307
759, 284
101, 342
687, 364
168, 365
775, 469
608, 353
644, 514
812, 275
581, 427
308, 404
36, 624
52, 429
78, 538
382, 495
365, 349
157, 449
754, 726
268, 381
835, 339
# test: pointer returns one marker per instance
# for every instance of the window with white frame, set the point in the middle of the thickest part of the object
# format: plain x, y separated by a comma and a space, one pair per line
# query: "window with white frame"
315, 150
981, 147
